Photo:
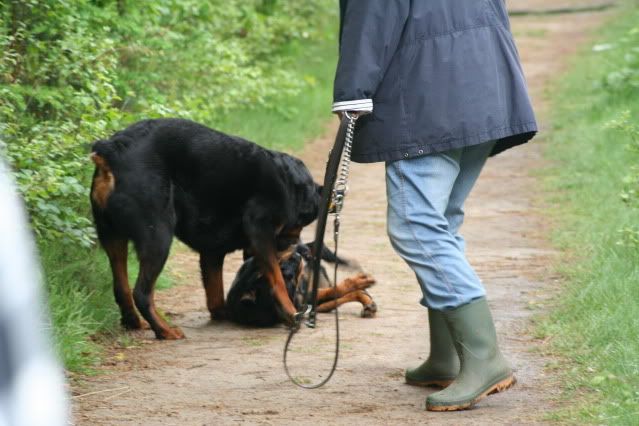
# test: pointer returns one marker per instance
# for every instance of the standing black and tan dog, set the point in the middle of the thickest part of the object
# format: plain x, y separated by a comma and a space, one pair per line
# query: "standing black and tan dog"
217, 193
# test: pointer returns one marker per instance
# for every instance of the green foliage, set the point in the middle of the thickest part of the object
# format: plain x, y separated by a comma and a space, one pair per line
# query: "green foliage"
624, 81
56, 94
594, 147
73, 71
239, 47
625, 77
630, 193
78, 284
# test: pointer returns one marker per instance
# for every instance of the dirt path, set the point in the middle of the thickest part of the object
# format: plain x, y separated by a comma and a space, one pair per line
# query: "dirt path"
224, 374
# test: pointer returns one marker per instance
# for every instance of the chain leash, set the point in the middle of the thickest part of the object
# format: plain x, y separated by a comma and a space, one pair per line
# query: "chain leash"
341, 186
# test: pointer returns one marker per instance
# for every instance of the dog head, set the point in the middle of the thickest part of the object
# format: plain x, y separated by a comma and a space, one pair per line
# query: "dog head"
250, 300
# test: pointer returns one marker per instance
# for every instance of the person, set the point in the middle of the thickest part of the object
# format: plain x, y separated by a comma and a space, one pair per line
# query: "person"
442, 88
32, 391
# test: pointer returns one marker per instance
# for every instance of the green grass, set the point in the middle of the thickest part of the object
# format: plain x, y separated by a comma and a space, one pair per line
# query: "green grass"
80, 296
80, 300
595, 325
78, 280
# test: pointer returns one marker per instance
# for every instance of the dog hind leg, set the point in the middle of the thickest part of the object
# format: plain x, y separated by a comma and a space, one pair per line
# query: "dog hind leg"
153, 250
351, 284
211, 267
117, 252
369, 308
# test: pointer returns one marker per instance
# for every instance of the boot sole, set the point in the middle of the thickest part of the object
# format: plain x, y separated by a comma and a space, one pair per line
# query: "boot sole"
496, 388
430, 383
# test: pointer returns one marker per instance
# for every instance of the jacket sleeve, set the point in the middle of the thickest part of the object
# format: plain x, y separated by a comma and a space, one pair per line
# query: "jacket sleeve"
369, 36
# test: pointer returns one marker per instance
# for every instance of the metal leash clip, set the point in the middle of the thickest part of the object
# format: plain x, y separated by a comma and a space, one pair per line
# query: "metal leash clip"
310, 322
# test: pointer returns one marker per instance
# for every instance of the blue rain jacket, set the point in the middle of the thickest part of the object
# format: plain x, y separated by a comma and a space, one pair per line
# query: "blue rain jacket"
436, 74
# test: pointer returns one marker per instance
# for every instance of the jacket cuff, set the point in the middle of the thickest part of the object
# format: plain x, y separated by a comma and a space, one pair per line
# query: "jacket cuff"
364, 105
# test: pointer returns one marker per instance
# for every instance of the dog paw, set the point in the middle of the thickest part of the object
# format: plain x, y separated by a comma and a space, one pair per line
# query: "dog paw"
291, 321
171, 334
363, 281
219, 315
133, 322
369, 310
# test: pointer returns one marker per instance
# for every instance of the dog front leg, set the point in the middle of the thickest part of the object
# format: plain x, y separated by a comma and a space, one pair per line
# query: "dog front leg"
270, 268
261, 227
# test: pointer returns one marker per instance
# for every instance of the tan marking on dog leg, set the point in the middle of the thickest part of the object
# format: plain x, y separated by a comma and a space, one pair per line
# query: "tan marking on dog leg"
358, 282
143, 295
332, 304
273, 274
212, 279
161, 328
117, 252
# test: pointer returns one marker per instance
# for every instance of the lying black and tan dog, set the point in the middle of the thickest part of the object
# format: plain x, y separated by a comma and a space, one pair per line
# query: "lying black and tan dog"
250, 301
217, 193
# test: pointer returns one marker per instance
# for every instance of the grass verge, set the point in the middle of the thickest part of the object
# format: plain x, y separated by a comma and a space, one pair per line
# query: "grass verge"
595, 325
80, 296
80, 300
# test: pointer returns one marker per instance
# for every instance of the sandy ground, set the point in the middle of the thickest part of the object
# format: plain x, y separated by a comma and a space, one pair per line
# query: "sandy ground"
225, 374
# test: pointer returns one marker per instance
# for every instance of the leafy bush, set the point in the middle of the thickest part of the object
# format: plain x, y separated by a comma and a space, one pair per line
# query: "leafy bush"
626, 77
630, 192
56, 94
624, 82
73, 71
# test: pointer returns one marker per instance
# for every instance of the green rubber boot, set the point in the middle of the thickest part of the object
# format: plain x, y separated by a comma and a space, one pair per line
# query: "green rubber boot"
442, 365
484, 370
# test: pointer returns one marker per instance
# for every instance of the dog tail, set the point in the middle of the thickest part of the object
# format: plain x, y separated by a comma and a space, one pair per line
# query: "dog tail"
103, 179
106, 153
328, 255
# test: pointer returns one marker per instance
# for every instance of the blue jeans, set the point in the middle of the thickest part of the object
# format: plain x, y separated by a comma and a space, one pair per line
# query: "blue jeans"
425, 211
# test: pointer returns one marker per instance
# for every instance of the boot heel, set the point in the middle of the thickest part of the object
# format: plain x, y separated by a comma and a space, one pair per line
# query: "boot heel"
503, 385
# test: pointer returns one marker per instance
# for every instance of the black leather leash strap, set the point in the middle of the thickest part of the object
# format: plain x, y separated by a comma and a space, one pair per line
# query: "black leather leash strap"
330, 176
